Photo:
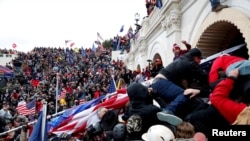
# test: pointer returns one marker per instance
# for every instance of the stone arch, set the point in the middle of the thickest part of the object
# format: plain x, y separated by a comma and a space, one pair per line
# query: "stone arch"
156, 51
221, 30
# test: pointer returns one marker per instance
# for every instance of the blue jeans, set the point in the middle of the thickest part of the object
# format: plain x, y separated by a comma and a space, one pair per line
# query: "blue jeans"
168, 91
243, 66
214, 3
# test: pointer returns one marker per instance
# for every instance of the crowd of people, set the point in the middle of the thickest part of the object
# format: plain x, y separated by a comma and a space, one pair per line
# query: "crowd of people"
190, 102
183, 102
7, 51
83, 76
181, 97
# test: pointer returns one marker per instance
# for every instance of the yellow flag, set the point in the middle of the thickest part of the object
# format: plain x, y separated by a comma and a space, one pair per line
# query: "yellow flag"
76, 50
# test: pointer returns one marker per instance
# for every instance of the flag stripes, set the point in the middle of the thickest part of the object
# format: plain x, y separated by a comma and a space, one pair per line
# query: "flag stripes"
24, 108
78, 122
62, 94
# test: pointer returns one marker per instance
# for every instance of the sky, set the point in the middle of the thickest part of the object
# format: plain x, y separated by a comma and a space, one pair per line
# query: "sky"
48, 23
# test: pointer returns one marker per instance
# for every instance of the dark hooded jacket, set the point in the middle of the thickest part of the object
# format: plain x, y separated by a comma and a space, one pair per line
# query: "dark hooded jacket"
141, 103
185, 68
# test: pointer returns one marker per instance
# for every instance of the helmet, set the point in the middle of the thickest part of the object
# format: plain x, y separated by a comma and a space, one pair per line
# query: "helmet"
158, 133
95, 129
119, 132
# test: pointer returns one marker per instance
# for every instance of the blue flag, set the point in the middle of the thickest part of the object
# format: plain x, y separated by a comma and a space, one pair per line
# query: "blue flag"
71, 60
118, 44
112, 86
6, 72
36, 134
69, 56
122, 28
83, 52
159, 4
93, 48
31, 104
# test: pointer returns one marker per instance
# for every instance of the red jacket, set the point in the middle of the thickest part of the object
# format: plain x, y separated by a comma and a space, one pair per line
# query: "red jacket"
34, 82
96, 94
219, 98
222, 62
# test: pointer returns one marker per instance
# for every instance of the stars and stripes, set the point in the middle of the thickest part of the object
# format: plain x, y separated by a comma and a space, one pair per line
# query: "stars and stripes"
112, 86
62, 94
82, 101
99, 36
130, 33
24, 108
67, 41
78, 122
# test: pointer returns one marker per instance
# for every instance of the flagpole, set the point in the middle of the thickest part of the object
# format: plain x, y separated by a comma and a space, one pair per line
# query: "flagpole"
114, 82
44, 118
57, 75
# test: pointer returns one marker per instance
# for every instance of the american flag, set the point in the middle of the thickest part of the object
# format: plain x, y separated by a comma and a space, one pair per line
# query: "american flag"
62, 94
130, 32
78, 122
99, 36
112, 86
93, 48
67, 41
98, 42
24, 108
82, 101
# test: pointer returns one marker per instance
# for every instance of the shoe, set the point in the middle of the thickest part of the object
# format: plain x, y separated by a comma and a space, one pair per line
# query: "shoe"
169, 117
219, 8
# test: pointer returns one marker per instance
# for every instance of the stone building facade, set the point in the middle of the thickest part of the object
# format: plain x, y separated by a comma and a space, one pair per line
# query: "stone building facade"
193, 21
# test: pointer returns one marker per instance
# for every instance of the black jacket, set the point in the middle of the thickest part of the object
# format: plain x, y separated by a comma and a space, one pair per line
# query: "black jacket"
183, 69
141, 103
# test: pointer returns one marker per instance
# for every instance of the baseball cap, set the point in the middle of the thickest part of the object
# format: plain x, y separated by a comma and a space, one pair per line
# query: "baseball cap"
195, 52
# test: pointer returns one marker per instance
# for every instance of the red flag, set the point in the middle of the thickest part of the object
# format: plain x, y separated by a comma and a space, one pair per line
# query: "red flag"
14, 45
72, 44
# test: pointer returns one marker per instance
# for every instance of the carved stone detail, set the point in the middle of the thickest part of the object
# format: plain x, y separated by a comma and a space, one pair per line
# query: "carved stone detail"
172, 21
